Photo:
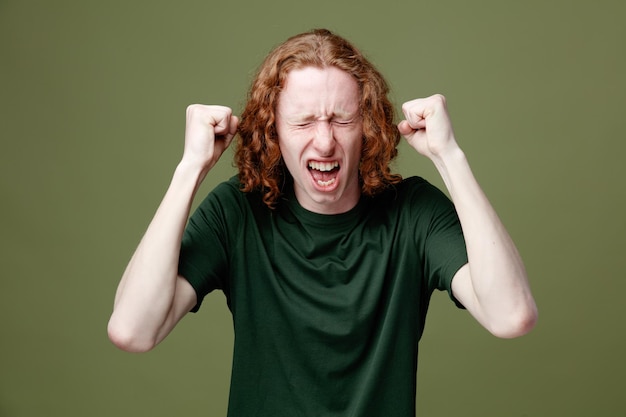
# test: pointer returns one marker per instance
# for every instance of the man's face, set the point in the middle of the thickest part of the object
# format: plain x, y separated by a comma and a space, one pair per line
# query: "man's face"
319, 133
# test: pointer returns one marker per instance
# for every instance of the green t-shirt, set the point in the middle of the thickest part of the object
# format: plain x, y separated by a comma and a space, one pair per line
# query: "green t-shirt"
327, 309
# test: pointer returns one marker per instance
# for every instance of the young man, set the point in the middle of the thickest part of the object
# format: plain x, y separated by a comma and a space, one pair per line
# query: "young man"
326, 258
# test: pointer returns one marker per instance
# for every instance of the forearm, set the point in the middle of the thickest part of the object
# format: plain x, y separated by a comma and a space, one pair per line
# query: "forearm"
497, 289
494, 286
146, 292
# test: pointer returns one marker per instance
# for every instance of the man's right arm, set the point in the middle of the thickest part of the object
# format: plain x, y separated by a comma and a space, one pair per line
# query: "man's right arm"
151, 297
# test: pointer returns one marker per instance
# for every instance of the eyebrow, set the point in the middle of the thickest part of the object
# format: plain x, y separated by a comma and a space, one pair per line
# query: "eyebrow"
304, 117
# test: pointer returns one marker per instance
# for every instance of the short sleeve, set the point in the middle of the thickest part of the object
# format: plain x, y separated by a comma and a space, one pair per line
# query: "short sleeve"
205, 244
444, 244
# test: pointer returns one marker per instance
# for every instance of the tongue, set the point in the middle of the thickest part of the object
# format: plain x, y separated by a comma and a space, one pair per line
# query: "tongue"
323, 176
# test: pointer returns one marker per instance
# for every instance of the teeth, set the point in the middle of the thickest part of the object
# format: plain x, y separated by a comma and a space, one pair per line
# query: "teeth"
323, 166
326, 183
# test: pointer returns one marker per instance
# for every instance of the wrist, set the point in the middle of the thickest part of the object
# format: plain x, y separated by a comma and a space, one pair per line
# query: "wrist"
189, 172
449, 159
453, 168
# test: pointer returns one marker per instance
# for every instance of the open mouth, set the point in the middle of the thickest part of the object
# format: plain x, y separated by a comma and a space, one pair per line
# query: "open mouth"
324, 173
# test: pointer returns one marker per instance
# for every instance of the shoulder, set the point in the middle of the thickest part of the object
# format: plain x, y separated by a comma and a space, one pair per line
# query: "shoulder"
225, 193
413, 190
229, 188
414, 201
223, 201
228, 201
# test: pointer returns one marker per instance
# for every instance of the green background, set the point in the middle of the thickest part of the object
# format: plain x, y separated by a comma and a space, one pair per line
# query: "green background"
92, 102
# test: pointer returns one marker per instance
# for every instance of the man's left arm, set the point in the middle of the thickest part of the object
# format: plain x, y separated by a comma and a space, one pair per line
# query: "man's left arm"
493, 286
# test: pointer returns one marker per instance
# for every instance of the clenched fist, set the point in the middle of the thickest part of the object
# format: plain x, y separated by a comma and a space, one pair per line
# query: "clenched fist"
427, 126
208, 132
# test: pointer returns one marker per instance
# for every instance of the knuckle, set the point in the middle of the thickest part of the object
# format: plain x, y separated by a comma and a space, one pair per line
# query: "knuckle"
192, 107
440, 98
222, 110
194, 110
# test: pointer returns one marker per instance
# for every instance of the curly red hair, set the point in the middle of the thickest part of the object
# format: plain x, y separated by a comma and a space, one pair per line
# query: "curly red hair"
258, 155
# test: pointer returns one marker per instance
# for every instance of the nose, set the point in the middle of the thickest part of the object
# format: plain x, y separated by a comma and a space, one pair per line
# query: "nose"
324, 140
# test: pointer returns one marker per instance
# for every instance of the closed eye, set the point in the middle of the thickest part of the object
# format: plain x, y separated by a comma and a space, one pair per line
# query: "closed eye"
301, 124
342, 122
